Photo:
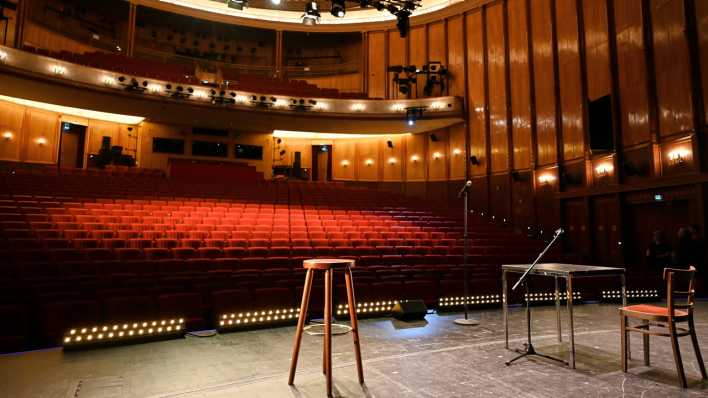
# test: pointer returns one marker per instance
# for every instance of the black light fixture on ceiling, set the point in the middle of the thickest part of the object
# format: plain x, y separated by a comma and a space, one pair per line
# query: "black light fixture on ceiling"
237, 4
338, 8
312, 13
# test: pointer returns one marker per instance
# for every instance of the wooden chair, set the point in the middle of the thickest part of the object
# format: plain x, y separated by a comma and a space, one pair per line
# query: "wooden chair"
666, 319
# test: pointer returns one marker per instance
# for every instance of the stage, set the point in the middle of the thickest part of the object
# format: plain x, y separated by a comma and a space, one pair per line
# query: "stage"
435, 358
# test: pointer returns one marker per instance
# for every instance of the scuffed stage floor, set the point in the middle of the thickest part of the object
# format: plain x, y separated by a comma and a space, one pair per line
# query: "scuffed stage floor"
435, 358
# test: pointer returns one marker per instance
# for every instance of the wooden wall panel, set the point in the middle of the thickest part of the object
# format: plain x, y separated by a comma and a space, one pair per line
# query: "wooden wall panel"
544, 81
41, 124
417, 51
607, 233
631, 65
11, 118
438, 156
499, 129
377, 65
96, 130
40, 37
416, 147
571, 96
396, 56
479, 195
575, 222
597, 48
476, 87
368, 149
437, 45
702, 17
500, 197
344, 151
456, 55
520, 85
393, 158
456, 151
348, 82
522, 201
673, 77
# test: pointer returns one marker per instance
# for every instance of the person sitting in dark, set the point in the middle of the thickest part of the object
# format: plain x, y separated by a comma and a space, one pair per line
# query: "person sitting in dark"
659, 253
685, 252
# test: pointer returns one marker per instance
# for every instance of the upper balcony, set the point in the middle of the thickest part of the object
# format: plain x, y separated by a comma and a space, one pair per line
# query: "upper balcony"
159, 93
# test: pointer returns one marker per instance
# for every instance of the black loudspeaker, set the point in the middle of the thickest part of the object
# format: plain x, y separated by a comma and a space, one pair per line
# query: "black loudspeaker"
409, 310
433, 138
390, 144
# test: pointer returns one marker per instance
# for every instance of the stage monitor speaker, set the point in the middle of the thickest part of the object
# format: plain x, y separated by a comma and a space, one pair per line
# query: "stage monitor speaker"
409, 310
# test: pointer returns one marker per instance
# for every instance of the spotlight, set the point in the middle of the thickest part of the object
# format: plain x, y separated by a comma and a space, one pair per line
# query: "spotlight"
338, 8
312, 13
237, 4
402, 22
413, 114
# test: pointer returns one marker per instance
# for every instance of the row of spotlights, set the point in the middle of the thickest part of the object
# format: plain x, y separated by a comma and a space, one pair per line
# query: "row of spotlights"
125, 331
257, 317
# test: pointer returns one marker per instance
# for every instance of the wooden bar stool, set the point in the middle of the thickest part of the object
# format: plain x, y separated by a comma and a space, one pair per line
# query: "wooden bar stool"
327, 265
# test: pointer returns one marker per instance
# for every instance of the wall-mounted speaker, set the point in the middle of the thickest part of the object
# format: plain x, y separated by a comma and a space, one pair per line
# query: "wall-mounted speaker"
433, 137
390, 144
474, 160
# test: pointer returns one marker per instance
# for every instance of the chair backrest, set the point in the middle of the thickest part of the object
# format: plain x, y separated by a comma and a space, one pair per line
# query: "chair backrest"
679, 287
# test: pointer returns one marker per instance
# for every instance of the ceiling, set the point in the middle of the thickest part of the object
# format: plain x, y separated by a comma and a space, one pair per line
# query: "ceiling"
294, 5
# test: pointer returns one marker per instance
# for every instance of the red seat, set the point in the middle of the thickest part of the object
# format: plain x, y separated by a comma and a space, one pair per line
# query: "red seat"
187, 306
155, 253
210, 252
184, 253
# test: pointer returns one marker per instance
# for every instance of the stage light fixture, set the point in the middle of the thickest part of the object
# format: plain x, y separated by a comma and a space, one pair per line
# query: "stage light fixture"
237, 4
338, 9
275, 2
261, 318
389, 143
312, 14
374, 308
402, 21
127, 332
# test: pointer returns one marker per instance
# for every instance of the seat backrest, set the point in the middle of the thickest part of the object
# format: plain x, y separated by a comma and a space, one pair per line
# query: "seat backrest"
679, 287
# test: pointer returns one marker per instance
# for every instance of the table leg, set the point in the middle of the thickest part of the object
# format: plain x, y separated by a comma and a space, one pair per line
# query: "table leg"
569, 300
624, 304
505, 311
558, 311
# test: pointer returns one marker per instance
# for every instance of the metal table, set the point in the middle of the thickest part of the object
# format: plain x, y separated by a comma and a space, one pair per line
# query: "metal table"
569, 272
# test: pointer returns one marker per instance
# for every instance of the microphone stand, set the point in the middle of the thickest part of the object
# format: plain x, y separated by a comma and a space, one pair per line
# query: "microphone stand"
466, 321
530, 350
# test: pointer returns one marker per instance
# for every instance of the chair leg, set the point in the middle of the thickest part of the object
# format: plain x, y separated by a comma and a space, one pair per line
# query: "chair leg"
354, 323
696, 348
646, 344
300, 325
677, 354
623, 342
328, 330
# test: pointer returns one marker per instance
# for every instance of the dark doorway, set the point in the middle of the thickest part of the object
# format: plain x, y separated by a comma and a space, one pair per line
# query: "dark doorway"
71, 145
322, 163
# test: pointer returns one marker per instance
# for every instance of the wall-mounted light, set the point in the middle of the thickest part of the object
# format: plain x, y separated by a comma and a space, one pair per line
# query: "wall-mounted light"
58, 70
3, 56
415, 158
154, 88
398, 108
369, 162
108, 81
7, 136
321, 106
41, 141
546, 179
604, 169
344, 163
679, 156
392, 161
437, 155
457, 151
437, 105
358, 107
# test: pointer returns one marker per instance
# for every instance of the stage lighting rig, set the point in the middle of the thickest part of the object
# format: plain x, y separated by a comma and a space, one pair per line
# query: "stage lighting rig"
178, 92
263, 101
237, 4
414, 113
301, 104
436, 74
338, 8
222, 98
312, 13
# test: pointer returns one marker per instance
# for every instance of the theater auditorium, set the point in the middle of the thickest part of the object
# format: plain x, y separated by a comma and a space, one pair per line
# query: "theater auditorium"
353, 198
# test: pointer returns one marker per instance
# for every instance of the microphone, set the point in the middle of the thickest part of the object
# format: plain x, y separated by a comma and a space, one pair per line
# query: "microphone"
465, 187
560, 231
